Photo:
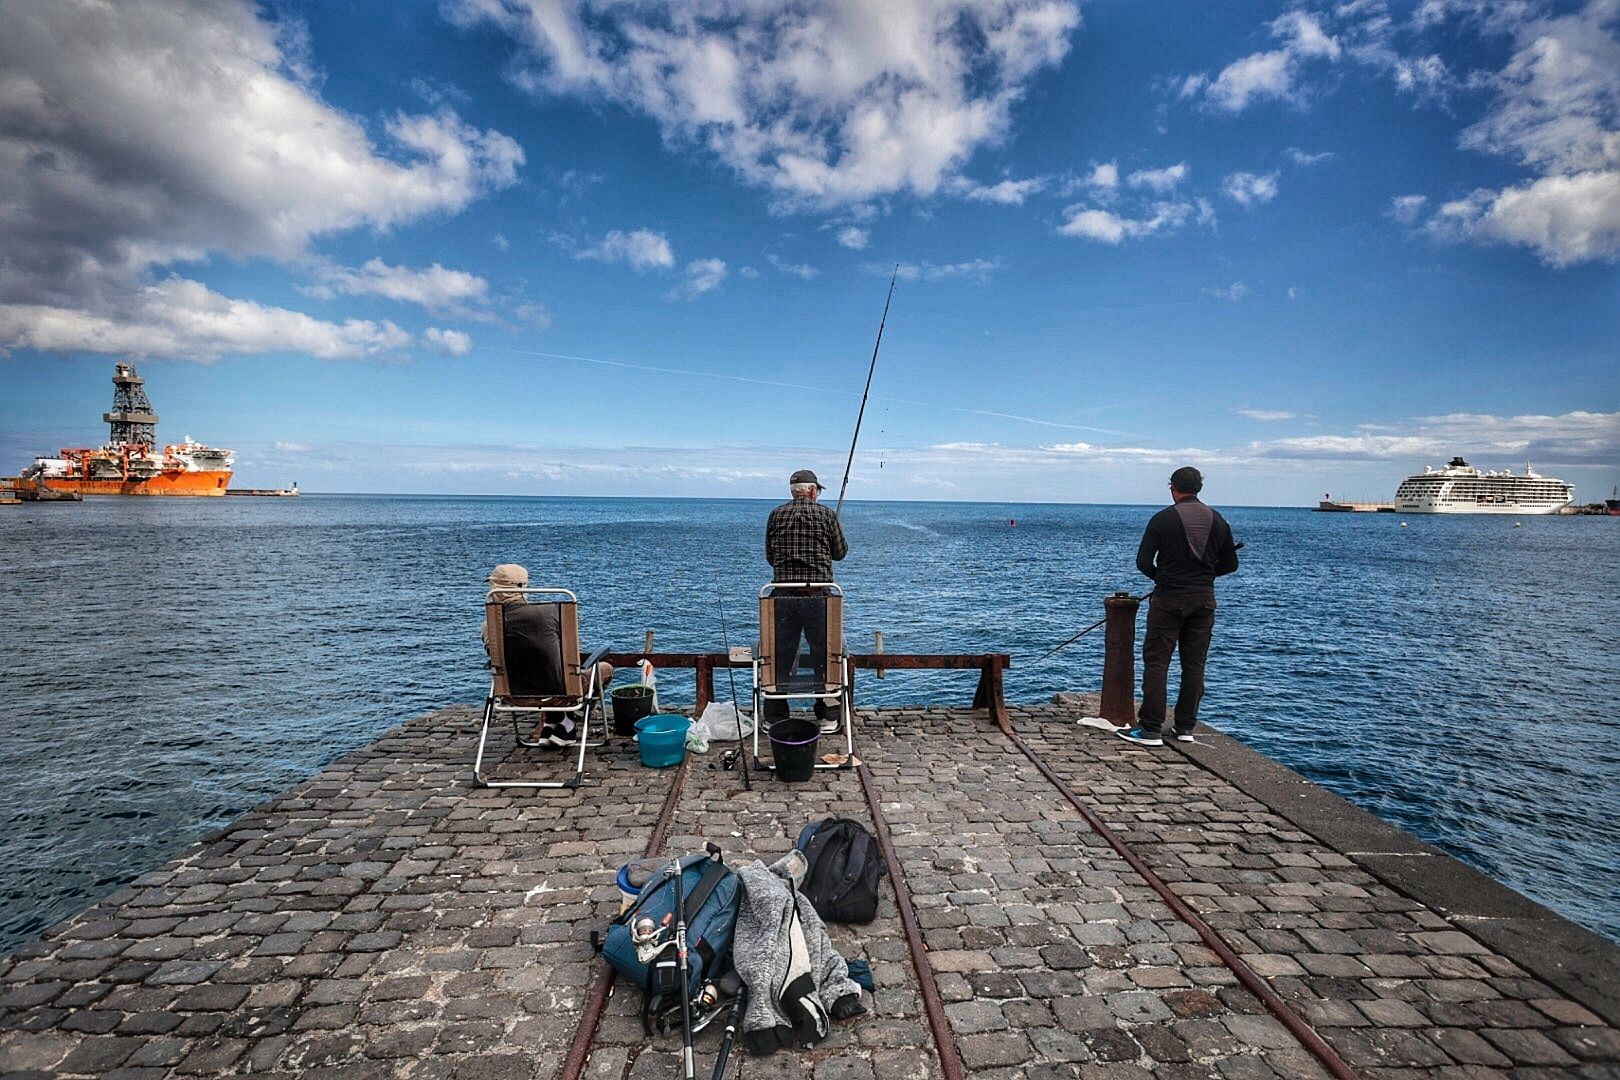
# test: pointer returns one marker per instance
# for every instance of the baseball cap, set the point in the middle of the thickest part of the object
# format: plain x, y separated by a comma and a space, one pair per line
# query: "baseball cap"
805, 476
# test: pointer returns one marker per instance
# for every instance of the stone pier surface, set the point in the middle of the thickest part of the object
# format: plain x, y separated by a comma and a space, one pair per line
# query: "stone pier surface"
387, 918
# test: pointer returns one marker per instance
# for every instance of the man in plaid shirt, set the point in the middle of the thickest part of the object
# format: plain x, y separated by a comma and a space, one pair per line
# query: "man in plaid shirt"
802, 541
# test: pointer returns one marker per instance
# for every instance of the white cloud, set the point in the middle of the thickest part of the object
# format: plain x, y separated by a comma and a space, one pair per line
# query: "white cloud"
136, 136
639, 249
1573, 438
1272, 74
853, 237
1006, 193
1295, 292
501, 243
1407, 208
1162, 181
702, 275
1268, 415
1105, 226
824, 104
1305, 158
449, 342
1104, 177
1233, 292
1557, 112
293, 447
434, 287
749, 273
1247, 188
979, 269
804, 271
186, 320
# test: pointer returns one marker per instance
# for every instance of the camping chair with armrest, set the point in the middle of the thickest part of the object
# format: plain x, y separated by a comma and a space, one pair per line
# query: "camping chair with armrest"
528, 644
800, 682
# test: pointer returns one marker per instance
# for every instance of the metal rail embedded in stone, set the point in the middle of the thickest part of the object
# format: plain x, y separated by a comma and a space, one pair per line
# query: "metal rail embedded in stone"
579, 1050
1296, 1025
950, 1057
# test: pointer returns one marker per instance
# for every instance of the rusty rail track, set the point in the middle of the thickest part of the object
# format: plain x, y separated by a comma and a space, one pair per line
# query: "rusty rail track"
579, 1050
1297, 1026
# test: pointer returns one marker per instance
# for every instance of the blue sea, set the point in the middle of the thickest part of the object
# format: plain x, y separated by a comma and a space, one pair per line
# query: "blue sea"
168, 663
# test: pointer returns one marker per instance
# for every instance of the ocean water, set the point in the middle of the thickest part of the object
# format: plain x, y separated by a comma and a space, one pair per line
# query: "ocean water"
168, 663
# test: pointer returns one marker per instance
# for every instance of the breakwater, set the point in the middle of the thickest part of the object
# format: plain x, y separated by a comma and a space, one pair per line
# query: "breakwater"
386, 914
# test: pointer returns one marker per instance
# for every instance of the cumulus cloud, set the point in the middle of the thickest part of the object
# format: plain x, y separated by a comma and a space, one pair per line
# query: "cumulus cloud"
181, 318
1407, 208
826, 105
853, 237
1163, 180
1267, 415
803, 271
702, 275
449, 342
1305, 158
1247, 188
1233, 292
1006, 193
137, 136
1270, 75
434, 287
1573, 438
978, 269
640, 249
1557, 112
1108, 227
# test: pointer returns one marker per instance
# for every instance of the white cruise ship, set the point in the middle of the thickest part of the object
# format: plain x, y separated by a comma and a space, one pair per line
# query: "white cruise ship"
1459, 488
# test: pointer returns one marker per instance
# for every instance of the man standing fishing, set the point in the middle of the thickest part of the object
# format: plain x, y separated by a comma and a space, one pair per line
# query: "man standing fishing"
802, 541
1187, 546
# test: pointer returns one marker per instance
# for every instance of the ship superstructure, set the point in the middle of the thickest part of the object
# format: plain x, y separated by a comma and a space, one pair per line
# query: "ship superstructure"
130, 462
1459, 488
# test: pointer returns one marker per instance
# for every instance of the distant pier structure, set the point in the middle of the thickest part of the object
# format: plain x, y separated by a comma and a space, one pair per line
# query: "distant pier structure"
1353, 506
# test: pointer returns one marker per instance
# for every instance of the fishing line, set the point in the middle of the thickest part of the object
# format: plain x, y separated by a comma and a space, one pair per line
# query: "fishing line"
864, 394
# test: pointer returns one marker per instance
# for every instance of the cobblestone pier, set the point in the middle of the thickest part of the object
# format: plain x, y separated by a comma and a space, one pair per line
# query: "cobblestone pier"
386, 918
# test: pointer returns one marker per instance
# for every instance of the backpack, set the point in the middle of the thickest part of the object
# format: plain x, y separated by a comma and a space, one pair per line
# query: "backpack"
712, 895
841, 882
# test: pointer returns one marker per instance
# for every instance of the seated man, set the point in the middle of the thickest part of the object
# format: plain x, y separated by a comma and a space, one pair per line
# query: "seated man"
506, 584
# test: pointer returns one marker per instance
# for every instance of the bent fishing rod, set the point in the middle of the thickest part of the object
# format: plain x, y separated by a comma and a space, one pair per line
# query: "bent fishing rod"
1147, 595
862, 414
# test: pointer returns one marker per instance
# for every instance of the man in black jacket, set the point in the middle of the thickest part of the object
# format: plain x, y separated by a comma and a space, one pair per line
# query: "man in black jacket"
1186, 547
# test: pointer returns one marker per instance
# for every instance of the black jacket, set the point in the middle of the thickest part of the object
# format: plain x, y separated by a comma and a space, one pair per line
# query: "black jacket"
1171, 553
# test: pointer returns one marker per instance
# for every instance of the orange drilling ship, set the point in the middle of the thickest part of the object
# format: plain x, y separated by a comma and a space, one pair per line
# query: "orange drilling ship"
130, 463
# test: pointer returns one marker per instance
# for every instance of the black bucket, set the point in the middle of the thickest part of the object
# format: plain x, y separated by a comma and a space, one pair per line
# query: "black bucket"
793, 748
631, 703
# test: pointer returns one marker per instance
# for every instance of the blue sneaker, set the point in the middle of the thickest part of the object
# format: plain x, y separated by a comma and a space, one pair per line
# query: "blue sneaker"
1140, 735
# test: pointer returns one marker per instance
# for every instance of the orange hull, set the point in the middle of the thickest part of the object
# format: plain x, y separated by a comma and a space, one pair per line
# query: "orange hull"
164, 483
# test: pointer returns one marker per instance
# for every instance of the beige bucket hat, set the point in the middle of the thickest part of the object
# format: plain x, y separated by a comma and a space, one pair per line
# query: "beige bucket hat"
506, 578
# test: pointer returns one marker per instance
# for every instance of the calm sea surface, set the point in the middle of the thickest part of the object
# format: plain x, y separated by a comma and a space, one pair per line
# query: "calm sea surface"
168, 663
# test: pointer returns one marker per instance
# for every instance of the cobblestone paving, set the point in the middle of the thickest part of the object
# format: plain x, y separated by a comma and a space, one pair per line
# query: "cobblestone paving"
1054, 958
1397, 989
892, 1041
387, 919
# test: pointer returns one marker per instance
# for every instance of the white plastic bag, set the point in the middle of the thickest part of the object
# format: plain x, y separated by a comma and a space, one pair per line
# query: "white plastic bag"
649, 679
721, 722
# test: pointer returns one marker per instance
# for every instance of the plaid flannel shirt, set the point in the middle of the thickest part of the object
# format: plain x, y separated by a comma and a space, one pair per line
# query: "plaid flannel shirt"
802, 539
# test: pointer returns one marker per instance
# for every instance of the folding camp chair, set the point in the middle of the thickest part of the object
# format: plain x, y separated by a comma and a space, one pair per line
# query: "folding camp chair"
799, 681
529, 646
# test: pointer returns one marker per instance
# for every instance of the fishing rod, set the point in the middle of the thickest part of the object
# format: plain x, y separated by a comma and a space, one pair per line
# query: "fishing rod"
731, 673
1235, 547
869, 369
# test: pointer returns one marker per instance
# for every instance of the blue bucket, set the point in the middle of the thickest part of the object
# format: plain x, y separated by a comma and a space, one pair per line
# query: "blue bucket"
662, 739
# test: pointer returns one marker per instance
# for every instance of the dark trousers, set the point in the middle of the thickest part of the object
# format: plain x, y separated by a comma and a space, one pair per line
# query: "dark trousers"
1182, 622
796, 617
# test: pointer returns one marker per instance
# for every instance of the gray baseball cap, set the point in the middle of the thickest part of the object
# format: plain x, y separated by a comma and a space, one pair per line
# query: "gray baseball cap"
805, 476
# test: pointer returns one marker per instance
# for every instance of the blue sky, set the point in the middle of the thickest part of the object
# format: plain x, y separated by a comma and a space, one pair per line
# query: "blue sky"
515, 246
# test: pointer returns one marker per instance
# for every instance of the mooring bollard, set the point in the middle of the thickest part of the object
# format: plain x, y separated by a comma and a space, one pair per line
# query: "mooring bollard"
1119, 660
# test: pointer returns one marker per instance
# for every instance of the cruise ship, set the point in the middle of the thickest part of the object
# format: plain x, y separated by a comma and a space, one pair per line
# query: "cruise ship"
1459, 488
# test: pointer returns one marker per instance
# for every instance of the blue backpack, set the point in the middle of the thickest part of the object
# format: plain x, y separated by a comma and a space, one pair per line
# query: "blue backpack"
712, 894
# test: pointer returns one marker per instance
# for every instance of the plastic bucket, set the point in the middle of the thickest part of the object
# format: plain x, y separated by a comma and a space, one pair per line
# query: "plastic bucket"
631, 703
662, 738
793, 748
